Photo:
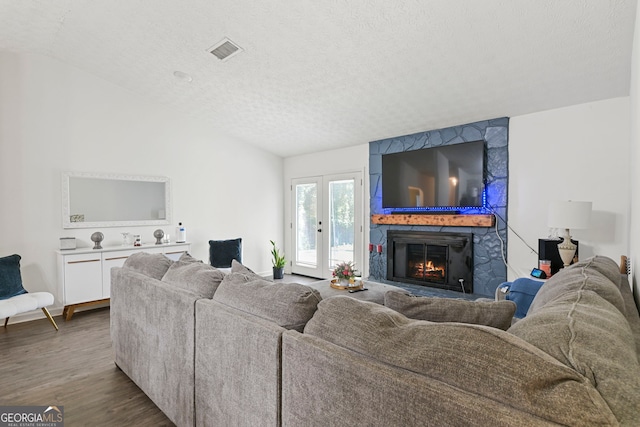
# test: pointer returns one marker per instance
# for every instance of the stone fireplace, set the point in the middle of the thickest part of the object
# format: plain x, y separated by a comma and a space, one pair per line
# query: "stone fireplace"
488, 243
439, 260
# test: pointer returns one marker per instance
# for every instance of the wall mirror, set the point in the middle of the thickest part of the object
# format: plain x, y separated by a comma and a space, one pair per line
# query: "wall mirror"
92, 200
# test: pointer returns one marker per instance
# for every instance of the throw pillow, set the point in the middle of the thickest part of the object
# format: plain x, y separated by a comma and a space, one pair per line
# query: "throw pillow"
198, 277
497, 314
152, 265
222, 252
289, 305
10, 278
186, 257
244, 271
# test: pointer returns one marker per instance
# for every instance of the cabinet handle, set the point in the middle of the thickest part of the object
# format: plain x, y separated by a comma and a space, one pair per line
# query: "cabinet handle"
178, 252
119, 257
86, 260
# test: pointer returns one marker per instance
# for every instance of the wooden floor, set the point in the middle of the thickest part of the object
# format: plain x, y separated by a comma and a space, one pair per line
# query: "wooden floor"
73, 368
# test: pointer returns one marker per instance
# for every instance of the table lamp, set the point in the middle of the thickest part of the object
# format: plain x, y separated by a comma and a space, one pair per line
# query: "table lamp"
568, 215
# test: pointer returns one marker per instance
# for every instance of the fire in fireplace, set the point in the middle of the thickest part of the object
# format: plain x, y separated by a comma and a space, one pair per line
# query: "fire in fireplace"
428, 271
435, 259
427, 262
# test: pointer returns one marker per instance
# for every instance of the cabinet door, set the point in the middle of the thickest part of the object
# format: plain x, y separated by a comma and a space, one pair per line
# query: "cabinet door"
152, 249
82, 278
110, 260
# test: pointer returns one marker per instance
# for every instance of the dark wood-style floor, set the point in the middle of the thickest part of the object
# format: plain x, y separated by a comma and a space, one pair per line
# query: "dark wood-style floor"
73, 368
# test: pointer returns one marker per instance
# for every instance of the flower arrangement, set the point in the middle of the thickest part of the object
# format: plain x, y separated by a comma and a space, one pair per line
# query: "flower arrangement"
345, 270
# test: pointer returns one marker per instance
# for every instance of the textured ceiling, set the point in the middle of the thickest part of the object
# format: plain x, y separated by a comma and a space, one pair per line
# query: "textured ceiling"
317, 75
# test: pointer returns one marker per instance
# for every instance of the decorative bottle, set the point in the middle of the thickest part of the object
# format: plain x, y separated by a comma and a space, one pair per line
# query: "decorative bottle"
181, 233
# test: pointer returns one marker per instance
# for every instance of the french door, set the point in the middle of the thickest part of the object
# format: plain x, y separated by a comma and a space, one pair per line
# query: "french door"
327, 223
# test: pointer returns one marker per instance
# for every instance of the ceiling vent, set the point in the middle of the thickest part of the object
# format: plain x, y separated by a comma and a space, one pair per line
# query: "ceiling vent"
225, 49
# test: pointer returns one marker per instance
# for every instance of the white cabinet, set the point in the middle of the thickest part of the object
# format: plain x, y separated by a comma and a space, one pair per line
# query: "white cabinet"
80, 270
84, 275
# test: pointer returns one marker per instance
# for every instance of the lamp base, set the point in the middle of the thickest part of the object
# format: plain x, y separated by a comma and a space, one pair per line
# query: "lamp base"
567, 249
567, 256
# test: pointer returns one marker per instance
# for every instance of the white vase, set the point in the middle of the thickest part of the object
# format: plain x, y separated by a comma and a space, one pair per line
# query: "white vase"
344, 282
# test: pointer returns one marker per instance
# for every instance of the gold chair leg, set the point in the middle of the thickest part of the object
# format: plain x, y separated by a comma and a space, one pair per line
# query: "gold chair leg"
6, 321
46, 313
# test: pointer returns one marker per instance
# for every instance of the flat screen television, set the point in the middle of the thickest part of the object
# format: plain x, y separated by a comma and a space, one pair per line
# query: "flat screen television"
444, 178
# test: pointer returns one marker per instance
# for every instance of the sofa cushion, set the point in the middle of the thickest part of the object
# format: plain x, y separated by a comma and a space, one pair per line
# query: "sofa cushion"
474, 359
631, 311
238, 267
198, 277
289, 305
586, 332
152, 265
599, 274
497, 314
10, 277
244, 271
603, 265
186, 257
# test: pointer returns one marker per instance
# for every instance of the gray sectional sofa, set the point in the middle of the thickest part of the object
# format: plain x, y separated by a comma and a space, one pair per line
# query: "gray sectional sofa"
215, 349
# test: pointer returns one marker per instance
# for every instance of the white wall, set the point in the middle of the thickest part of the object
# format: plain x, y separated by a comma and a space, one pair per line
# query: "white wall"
56, 118
634, 158
574, 153
351, 159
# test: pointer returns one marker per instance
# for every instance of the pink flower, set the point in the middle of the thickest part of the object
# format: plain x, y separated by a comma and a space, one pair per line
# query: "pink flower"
344, 270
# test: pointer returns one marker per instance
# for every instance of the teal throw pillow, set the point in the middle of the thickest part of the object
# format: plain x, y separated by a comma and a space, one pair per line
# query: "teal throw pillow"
10, 279
222, 252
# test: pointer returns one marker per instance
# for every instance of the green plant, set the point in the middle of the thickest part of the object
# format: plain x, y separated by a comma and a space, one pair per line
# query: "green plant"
278, 260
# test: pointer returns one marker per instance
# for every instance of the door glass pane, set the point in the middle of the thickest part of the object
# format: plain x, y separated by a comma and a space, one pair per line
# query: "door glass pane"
307, 224
342, 222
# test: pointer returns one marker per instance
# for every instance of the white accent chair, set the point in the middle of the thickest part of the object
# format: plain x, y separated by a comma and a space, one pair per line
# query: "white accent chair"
10, 284
27, 302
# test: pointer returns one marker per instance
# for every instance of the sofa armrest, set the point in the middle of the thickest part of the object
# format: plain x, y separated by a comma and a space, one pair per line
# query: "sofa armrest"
237, 367
153, 335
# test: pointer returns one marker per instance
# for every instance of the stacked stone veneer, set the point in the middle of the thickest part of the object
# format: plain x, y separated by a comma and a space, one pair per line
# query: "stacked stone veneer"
489, 268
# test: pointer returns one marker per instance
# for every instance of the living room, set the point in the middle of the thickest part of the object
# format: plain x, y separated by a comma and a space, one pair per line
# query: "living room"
57, 118
59, 115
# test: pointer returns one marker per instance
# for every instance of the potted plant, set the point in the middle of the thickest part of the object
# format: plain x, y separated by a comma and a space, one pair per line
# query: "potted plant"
278, 261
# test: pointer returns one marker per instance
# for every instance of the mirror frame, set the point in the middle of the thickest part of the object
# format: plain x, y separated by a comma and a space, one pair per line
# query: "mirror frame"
66, 200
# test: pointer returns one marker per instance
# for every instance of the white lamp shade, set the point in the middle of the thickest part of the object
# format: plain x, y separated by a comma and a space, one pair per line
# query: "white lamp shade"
569, 214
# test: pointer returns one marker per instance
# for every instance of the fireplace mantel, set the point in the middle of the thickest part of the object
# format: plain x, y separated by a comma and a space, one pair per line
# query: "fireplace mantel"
458, 220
